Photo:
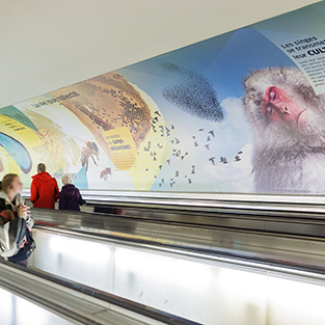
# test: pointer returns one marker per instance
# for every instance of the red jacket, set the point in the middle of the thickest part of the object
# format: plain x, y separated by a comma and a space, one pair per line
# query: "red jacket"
44, 191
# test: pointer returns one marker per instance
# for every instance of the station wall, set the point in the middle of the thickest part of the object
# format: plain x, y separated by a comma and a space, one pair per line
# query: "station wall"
240, 112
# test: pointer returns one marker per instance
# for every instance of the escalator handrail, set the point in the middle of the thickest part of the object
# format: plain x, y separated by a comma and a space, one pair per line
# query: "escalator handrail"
248, 262
207, 201
93, 293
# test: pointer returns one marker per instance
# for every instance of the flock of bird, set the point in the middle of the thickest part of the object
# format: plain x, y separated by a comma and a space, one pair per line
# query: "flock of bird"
224, 160
177, 153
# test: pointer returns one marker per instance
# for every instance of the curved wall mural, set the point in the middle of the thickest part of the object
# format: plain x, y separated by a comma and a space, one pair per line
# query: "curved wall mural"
242, 112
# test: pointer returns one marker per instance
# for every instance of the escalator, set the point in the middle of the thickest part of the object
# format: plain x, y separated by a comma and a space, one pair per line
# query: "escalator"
229, 270
32, 296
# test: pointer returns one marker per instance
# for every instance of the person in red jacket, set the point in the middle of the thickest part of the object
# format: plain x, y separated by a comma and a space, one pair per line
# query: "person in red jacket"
44, 189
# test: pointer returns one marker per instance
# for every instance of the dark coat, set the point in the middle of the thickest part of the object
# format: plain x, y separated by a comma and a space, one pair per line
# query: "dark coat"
70, 198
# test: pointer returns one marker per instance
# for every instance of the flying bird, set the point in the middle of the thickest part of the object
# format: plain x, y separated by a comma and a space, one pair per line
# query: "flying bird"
213, 160
182, 157
212, 133
223, 160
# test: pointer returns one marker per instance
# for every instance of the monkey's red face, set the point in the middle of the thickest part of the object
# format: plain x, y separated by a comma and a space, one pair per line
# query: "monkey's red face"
278, 106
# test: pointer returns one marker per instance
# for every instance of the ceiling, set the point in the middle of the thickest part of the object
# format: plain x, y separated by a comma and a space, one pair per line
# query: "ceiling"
48, 44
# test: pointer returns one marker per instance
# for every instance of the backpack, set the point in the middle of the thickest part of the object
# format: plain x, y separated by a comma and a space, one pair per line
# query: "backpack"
12, 234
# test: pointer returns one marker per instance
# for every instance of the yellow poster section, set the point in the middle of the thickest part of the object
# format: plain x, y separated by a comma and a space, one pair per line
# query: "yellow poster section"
154, 151
28, 135
122, 147
145, 163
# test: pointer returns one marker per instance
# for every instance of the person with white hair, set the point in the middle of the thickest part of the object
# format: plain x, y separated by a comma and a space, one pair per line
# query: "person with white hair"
70, 197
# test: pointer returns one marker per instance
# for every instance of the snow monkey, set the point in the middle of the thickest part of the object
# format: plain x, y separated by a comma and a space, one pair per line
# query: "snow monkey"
289, 123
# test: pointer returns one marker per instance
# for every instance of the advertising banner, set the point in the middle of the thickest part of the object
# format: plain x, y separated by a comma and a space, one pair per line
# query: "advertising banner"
242, 112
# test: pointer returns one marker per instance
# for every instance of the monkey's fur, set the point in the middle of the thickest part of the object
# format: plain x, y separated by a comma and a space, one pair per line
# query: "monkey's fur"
289, 140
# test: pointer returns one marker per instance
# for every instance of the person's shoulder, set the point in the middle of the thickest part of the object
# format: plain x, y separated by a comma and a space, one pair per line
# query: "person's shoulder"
35, 177
75, 187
